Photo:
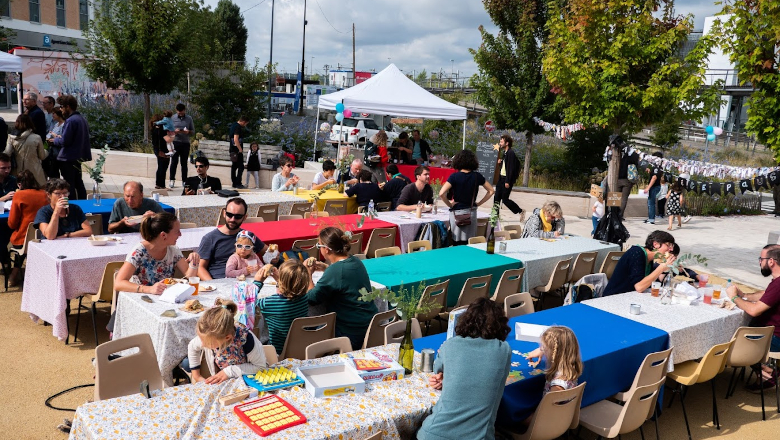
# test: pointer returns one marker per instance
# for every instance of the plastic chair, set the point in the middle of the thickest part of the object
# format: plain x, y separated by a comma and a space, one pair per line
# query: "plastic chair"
473, 288
751, 346
328, 347
438, 294
418, 246
394, 333
610, 261
106, 292
549, 419
387, 252
502, 235
509, 284
360, 257
306, 331
557, 280
375, 336
518, 304
290, 217
270, 354
335, 207
269, 213
300, 208
309, 245
609, 419
356, 243
383, 206
162, 192
583, 265
18, 255
123, 375
517, 230
319, 214
380, 238
188, 225
692, 372
254, 220
96, 223
478, 239
482, 227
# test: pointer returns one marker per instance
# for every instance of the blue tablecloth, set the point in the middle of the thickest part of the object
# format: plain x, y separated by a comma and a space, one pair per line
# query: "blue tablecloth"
456, 263
612, 350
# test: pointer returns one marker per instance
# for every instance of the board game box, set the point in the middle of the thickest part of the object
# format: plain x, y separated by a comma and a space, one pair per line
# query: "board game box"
330, 380
375, 366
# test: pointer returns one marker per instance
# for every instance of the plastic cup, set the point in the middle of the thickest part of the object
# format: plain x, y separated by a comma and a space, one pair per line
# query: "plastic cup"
716, 291
703, 280
655, 288
707, 292
194, 282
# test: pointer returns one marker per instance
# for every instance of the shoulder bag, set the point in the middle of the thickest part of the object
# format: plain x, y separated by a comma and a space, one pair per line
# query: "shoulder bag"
463, 216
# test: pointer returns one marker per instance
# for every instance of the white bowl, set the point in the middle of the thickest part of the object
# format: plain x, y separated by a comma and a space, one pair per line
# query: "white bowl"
134, 220
98, 241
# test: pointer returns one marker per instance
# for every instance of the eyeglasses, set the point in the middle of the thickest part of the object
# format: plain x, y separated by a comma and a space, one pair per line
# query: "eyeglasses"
232, 215
320, 246
201, 166
759, 259
245, 247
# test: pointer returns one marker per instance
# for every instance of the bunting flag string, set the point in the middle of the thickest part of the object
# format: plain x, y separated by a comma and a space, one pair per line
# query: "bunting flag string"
561, 131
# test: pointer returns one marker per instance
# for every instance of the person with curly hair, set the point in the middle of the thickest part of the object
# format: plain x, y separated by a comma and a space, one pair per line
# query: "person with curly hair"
465, 185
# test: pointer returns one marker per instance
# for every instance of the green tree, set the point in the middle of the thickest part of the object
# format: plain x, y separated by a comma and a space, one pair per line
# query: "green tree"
232, 33
618, 64
751, 36
421, 77
510, 82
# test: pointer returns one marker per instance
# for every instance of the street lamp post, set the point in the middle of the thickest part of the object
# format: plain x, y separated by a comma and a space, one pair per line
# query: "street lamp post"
303, 60
311, 66
271, 60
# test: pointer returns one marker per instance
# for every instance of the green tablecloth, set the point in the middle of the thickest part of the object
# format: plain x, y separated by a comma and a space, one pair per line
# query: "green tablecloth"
454, 263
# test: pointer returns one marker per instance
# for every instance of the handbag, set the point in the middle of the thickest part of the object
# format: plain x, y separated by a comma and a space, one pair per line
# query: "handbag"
234, 157
463, 216
228, 193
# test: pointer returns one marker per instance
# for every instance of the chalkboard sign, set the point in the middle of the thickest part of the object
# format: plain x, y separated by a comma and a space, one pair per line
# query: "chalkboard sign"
487, 158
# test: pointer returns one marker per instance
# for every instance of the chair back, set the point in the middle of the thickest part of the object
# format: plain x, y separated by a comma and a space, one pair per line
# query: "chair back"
300, 208
356, 243
32, 234
328, 347
554, 411
123, 375
188, 225
438, 294
751, 345
290, 217
638, 406
254, 220
418, 246
96, 223
652, 370
221, 218
509, 284
335, 207
306, 331
162, 192
517, 229
375, 336
478, 239
482, 227
269, 213
380, 238
383, 206
270, 354
394, 333
502, 235
387, 252
610, 261
309, 245
558, 277
106, 291
319, 214
473, 288
583, 265
360, 257
518, 304
713, 362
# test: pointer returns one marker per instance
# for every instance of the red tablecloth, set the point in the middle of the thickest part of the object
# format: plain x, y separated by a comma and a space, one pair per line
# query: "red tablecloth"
437, 173
285, 232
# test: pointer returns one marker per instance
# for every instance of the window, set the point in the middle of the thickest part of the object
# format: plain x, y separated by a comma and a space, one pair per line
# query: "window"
83, 15
60, 13
5, 8
35, 11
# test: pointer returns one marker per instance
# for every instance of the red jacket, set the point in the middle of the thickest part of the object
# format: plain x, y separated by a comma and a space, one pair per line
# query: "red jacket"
26, 204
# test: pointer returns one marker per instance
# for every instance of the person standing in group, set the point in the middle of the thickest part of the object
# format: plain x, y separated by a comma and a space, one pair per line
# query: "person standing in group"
48, 112
652, 189
37, 115
157, 133
598, 212
510, 171
465, 185
74, 146
675, 204
235, 136
183, 127
624, 182
253, 164
28, 149
167, 124
420, 149
661, 198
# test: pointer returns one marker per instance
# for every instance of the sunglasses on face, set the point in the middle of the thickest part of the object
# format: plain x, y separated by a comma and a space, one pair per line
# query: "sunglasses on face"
232, 215
320, 246
201, 166
245, 247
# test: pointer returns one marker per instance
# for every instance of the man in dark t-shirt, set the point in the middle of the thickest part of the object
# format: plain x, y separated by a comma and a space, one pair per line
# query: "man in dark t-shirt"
652, 191
235, 137
366, 190
419, 191
634, 271
396, 182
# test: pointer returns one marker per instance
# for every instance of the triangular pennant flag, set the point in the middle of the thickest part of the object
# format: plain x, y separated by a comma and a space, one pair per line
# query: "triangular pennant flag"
704, 188
760, 182
692, 185
745, 185
714, 188
730, 188
683, 182
668, 177
774, 179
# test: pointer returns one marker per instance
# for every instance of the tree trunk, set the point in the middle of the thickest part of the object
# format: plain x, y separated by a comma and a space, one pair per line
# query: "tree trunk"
613, 169
147, 116
529, 145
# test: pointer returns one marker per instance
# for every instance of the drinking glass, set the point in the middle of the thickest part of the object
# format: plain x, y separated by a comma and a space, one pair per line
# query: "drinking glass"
655, 288
716, 291
194, 282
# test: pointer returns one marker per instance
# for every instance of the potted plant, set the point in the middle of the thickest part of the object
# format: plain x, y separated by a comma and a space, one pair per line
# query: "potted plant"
96, 173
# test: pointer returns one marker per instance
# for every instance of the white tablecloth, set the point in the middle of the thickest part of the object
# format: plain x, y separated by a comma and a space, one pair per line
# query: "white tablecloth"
204, 210
692, 329
408, 223
539, 257
51, 280
171, 336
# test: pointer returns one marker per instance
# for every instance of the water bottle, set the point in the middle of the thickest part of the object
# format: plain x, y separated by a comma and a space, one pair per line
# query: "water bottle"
371, 208
200, 189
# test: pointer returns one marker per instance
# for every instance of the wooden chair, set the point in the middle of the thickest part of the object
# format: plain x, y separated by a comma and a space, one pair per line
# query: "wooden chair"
473, 288
557, 280
254, 220
482, 227
105, 293
518, 304
328, 347
516, 229
609, 419
418, 246
300, 208
751, 346
394, 333
387, 252
290, 217
309, 245
438, 294
509, 284
161, 192
478, 239
121, 376
269, 213
356, 243
583, 265
375, 336
502, 235
306, 331
188, 225
103, 195
557, 413
270, 354
319, 214
383, 206
335, 207
610, 261
380, 238
96, 223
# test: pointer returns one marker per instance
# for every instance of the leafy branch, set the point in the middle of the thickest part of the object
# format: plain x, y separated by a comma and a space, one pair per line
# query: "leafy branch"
495, 215
96, 172
682, 262
407, 302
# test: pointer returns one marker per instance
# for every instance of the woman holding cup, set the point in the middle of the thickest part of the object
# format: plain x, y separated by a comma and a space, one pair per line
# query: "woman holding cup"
59, 218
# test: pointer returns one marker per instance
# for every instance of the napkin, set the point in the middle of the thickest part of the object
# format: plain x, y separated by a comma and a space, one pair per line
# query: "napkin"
177, 293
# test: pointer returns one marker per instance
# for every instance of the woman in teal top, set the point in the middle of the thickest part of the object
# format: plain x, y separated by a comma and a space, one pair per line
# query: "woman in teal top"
339, 287
476, 362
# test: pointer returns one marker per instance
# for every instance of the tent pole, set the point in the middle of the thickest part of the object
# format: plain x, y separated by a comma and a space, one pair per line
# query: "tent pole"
20, 93
316, 130
464, 134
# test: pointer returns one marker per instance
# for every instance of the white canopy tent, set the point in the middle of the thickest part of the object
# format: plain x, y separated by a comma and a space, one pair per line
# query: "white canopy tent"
12, 63
390, 92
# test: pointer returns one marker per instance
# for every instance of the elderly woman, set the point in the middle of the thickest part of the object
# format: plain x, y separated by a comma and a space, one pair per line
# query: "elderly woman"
464, 185
155, 257
27, 201
59, 218
546, 222
477, 362
339, 287
27, 148
284, 180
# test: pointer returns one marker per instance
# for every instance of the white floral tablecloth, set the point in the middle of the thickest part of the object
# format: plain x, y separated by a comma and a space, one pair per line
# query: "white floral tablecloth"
692, 329
539, 257
408, 223
204, 210
51, 280
396, 408
170, 336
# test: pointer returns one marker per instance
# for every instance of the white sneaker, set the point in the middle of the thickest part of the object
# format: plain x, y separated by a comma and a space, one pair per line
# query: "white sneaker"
687, 219
171, 185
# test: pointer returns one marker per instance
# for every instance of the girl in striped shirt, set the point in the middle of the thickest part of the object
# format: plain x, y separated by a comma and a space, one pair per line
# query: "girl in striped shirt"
289, 302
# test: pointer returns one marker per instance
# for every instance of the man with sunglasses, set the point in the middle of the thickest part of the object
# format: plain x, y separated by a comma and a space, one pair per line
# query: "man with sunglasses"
202, 180
217, 246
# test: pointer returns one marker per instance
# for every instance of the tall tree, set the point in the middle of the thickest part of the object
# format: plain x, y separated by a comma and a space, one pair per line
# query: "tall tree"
618, 64
510, 82
144, 46
232, 33
751, 36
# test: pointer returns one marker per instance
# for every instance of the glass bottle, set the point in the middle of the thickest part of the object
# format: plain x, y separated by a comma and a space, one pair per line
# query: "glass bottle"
406, 350
491, 242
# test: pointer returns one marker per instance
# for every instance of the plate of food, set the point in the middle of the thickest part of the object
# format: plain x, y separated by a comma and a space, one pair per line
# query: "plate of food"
172, 281
98, 241
206, 288
192, 306
134, 220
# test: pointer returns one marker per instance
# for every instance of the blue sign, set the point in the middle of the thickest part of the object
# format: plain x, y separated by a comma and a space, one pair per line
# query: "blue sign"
46, 41
298, 93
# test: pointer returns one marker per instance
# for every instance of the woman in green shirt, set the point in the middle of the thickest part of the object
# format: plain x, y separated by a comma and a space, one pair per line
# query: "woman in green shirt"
339, 287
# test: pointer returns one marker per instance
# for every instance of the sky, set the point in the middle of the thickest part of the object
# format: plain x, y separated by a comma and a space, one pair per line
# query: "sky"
434, 35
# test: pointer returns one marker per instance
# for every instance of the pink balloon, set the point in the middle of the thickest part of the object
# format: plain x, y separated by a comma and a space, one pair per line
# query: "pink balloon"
717, 131
347, 113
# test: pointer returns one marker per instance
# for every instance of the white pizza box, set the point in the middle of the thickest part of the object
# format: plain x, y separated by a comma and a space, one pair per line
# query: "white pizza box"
393, 372
177, 293
331, 380
453, 321
529, 332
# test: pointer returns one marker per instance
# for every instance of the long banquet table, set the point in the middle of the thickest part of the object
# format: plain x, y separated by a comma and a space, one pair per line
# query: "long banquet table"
62, 269
306, 195
204, 210
408, 223
437, 173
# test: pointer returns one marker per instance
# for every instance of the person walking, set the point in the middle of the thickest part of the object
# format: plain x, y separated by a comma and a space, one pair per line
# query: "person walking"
235, 136
183, 127
510, 171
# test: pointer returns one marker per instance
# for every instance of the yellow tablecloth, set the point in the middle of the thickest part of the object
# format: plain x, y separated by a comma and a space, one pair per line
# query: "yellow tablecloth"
330, 194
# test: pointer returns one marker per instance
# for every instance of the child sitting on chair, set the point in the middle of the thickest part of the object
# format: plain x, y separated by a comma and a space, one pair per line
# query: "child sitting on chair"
289, 302
244, 261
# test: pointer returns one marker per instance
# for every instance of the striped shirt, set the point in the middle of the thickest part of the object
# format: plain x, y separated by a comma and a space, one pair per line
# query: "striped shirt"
279, 313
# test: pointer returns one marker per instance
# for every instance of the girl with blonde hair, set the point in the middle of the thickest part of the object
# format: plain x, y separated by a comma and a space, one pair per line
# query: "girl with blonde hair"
564, 364
289, 302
